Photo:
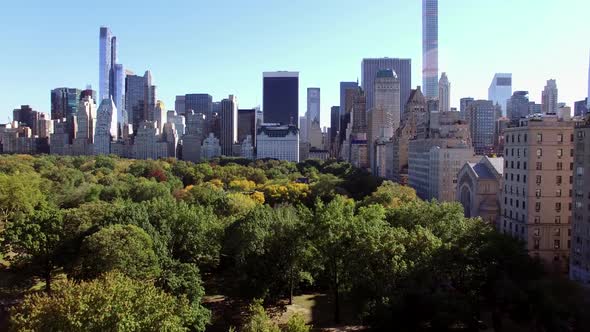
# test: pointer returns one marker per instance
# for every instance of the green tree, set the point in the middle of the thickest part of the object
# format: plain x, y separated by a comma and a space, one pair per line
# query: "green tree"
20, 194
35, 241
258, 320
111, 303
391, 195
125, 248
296, 323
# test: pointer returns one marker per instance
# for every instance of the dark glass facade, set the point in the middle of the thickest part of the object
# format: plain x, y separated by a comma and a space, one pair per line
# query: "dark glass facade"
281, 99
64, 102
246, 124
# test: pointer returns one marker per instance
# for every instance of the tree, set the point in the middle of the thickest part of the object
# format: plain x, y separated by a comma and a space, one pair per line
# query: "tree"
111, 303
391, 195
125, 248
258, 320
20, 194
35, 240
296, 323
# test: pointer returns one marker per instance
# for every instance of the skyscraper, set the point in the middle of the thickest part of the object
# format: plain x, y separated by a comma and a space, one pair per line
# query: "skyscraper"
464, 104
334, 124
106, 127
343, 87
64, 102
518, 106
140, 96
229, 125
444, 94
429, 48
313, 106
500, 90
111, 75
247, 125
481, 115
370, 68
549, 97
280, 97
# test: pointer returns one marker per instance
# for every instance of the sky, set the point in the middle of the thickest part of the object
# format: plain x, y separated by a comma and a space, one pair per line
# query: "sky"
221, 47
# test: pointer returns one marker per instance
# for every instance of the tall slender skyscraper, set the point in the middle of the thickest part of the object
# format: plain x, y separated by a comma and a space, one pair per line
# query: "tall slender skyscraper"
229, 125
313, 110
370, 68
549, 97
444, 94
500, 90
111, 75
429, 48
280, 97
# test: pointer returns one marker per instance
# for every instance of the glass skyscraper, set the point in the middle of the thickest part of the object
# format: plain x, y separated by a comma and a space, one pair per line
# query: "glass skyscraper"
500, 90
403, 69
280, 97
429, 48
111, 76
64, 102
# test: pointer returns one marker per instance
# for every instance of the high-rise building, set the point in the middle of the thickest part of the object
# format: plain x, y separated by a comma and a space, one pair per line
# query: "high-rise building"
580, 260
481, 115
280, 97
549, 97
358, 112
158, 115
211, 147
106, 127
464, 104
370, 68
500, 90
111, 74
313, 105
444, 94
247, 125
581, 107
199, 103
179, 105
430, 48
140, 97
278, 142
64, 102
536, 201
343, 87
517, 106
83, 142
229, 125
334, 122
303, 129
26, 116
535, 108
148, 142
178, 121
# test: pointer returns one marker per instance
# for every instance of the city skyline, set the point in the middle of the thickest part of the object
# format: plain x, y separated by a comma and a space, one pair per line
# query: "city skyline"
74, 53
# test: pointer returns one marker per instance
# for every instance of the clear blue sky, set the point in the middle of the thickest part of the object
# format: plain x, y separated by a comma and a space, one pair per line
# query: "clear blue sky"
222, 47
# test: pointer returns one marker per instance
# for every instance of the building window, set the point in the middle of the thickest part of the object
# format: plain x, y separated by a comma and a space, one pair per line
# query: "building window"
539, 166
518, 138
536, 244
537, 207
512, 164
518, 165
580, 171
524, 178
538, 179
538, 193
524, 165
560, 138
571, 152
557, 232
506, 164
537, 232
559, 153
558, 219
537, 218
525, 137
559, 166
524, 152
558, 180
556, 244
558, 193
558, 207
539, 138
539, 152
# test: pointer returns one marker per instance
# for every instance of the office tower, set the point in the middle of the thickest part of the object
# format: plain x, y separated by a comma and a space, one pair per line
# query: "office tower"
536, 202
464, 104
64, 102
581, 107
499, 140
148, 142
430, 48
229, 125
549, 97
211, 147
26, 116
111, 74
179, 105
85, 128
193, 137
280, 97
303, 129
313, 106
106, 127
170, 136
481, 116
247, 125
247, 148
334, 123
44, 126
580, 260
370, 68
517, 106
535, 108
140, 97
479, 188
358, 112
315, 136
60, 138
444, 94
279, 142
201, 103
500, 90
343, 87
17, 139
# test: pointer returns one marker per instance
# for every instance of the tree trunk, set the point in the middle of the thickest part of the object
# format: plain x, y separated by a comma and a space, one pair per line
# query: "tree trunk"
48, 281
291, 286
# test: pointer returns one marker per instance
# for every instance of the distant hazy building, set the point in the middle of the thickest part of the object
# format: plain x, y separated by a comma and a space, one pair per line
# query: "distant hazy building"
82, 144
229, 125
140, 97
550, 97
430, 48
444, 94
60, 138
278, 142
517, 106
580, 259
106, 127
199, 103
247, 148
481, 115
18, 139
28, 117
178, 121
535, 108
500, 90
334, 127
536, 201
148, 142
304, 128
479, 188
313, 106
464, 104
370, 68
179, 105
158, 115
343, 87
111, 74
280, 95
581, 107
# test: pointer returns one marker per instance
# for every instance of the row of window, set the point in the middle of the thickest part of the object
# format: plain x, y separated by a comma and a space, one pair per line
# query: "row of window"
510, 152
517, 138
